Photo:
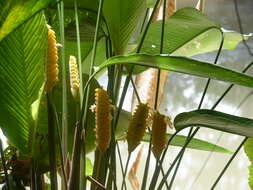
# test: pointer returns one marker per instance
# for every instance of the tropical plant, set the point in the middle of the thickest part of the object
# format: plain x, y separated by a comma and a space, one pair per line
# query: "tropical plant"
49, 83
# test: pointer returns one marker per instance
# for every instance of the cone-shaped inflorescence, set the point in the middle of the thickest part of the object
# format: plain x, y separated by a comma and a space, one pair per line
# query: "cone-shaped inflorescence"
137, 126
74, 77
159, 126
52, 58
103, 119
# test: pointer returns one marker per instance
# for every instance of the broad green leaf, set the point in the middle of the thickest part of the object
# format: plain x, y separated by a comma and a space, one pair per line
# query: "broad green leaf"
209, 41
182, 27
22, 59
215, 120
178, 140
16, 12
197, 144
87, 28
188, 32
248, 148
84, 4
122, 18
181, 65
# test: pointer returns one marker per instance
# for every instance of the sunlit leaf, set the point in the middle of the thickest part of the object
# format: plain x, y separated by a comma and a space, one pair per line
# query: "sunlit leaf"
22, 59
14, 13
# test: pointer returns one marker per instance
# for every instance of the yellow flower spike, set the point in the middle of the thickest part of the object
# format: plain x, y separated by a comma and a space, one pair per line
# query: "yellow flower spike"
103, 119
137, 126
159, 126
52, 58
74, 77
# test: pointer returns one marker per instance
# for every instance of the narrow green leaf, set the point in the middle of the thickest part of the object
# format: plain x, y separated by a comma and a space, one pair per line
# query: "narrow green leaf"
215, 120
22, 59
16, 13
197, 144
122, 18
181, 65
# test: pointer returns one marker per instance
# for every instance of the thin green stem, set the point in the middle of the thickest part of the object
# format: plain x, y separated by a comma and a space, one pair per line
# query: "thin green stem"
94, 50
147, 27
228, 163
199, 106
125, 172
59, 140
79, 57
175, 161
51, 142
60, 7
144, 182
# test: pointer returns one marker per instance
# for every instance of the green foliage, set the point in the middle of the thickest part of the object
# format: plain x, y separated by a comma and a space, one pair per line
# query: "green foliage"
122, 18
188, 32
181, 65
215, 120
15, 12
182, 27
22, 59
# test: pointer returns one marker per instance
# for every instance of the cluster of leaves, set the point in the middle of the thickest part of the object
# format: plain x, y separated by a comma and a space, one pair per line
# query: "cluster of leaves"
23, 45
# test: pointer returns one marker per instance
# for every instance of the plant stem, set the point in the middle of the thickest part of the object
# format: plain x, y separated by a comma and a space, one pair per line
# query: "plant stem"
74, 178
59, 140
4, 166
199, 106
228, 163
60, 8
125, 172
79, 57
51, 143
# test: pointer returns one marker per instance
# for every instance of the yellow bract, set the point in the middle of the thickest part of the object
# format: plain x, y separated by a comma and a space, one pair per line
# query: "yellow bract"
74, 76
52, 58
158, 133
137, 126
103, 119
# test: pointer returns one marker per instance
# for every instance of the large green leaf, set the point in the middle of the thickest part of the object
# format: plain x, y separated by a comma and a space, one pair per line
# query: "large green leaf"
122, 18
182, 27
215, 120
209, 41
188, 32
16, 12
182, 65
22, 59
